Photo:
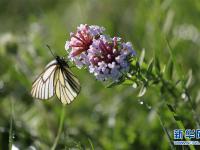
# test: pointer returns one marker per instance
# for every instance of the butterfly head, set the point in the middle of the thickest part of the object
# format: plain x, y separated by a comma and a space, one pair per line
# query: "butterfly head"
61, 61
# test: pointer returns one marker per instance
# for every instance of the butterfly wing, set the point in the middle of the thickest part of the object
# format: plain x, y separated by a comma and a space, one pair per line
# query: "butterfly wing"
67, 86
43, 86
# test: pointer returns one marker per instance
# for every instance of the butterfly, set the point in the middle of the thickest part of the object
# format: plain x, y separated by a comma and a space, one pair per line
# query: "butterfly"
58, 79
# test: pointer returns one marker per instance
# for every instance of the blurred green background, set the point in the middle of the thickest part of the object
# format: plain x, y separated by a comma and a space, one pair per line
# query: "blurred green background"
111, 118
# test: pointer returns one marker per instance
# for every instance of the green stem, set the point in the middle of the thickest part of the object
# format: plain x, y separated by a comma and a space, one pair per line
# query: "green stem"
11, 127
181, 126
62, 117
174, 113
91, 145
179, 122
163, 126
166, 132
192, 105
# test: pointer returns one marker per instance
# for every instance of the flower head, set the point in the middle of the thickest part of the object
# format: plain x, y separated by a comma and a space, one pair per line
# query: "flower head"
81, 41
109, 57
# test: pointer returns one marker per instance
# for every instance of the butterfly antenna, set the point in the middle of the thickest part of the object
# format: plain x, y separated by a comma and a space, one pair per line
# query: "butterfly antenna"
51, 50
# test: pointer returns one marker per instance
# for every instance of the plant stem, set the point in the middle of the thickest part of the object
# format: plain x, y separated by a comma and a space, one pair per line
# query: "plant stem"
181, 126
166, 132
62, 117
11, 127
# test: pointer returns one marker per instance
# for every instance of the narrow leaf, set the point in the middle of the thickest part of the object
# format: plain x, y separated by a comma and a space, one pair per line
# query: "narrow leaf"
157, 65
169, 70
150, 66
178, 118
112, 84
128, 82
91, 144
171, 108
141, 59
189, 81
142, 91
176, 65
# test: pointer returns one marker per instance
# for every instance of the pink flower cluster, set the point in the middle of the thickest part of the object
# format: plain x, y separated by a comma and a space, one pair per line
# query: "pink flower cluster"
105, 57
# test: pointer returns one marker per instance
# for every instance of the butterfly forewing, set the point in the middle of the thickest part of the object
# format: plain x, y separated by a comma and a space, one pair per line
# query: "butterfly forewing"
56, 79
43, 86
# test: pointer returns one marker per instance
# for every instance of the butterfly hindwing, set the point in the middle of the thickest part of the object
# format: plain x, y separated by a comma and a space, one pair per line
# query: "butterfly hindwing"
72, 80
65, 88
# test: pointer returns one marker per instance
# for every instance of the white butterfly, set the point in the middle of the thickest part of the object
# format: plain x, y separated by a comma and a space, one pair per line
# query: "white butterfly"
57, 79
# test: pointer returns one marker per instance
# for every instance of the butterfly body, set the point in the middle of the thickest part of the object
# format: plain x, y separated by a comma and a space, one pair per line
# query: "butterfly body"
57, 79
61, 62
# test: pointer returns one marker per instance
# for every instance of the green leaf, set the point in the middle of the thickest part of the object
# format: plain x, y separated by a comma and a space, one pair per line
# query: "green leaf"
133, 61
142, 91
128, 82
150, 66
91, 144
178, 118
142, 55
157, 65
112, 84
189, 81
134, 85
171, 108
163, 69
173, 56
169, 69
